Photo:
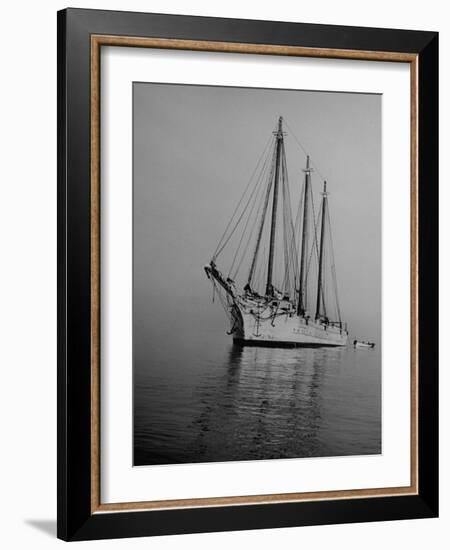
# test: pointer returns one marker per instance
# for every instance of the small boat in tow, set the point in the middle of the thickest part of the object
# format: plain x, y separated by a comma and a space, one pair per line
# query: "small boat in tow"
359, 344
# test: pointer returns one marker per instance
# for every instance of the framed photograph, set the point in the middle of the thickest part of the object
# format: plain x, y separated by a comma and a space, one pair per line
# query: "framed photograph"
247, 254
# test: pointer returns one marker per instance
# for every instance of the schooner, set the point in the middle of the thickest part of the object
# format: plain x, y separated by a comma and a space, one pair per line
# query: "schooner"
288, 296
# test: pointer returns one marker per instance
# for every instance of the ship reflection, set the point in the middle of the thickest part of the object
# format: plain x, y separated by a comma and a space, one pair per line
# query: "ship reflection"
267, 403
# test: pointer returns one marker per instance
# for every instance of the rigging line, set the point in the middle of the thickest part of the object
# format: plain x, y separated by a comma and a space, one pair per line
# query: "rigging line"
257, 278
263, 269
300, 208
222, 300
296, 235
321, 269
316, 247
244, 193
266, 147
261, 187
235, 274
244, 252
287, 275
261, 275
293, 257
263, 217
333, 267
250, 235
286, 283
290, 256
257, 183
313, 248
305, 151
292, 235
284, 212
333, 273
216, 254
324, 286
286, 279
324, 301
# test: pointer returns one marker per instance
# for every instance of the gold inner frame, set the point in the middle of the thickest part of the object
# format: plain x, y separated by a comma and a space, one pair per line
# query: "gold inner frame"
97, 41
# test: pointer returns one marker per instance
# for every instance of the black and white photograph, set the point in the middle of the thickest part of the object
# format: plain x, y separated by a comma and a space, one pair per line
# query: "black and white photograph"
226, 257
256, 274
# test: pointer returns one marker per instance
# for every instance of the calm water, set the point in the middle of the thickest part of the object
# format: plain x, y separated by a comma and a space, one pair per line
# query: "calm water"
197, 402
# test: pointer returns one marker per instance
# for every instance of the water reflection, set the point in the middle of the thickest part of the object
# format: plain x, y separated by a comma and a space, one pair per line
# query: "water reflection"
260, 403
266, 404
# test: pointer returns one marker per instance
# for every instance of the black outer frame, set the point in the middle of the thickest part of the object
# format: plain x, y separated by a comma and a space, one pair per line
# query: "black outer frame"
75, 521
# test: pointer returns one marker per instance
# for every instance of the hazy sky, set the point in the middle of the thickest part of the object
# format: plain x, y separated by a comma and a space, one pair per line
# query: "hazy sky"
195, 148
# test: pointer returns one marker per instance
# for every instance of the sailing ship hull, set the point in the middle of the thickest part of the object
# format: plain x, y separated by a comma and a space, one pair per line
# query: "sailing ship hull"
284, 330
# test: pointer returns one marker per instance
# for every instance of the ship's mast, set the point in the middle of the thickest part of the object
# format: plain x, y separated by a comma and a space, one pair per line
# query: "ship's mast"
273, 227
321, 247
302, 296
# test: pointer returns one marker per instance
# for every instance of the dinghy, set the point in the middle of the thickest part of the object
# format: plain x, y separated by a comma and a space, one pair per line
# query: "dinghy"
359, 344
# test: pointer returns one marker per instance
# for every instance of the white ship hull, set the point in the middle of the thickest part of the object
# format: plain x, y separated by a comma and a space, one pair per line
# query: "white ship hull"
284, 330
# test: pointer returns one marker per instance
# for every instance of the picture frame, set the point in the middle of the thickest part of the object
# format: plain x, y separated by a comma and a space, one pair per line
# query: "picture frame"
81, 36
